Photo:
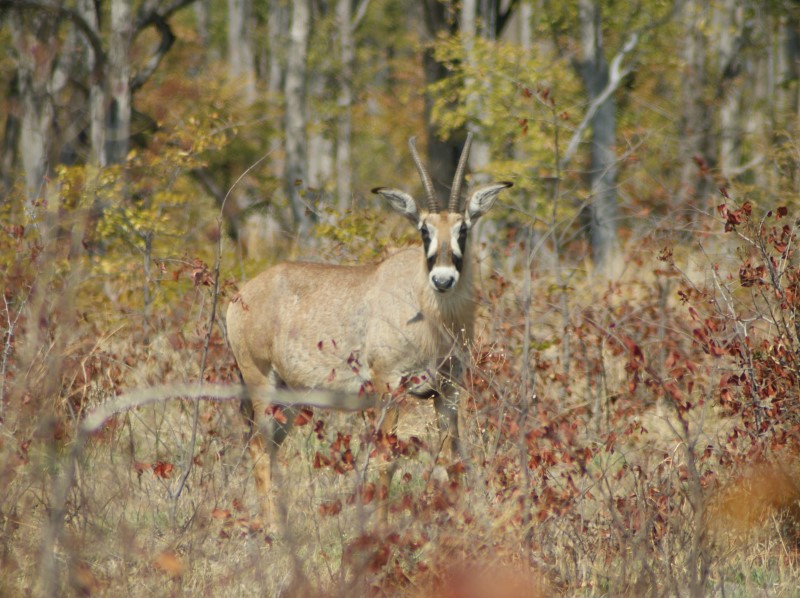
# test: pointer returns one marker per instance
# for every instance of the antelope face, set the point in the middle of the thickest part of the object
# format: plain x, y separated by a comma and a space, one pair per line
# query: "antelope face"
444, 233
444, 241
444, 230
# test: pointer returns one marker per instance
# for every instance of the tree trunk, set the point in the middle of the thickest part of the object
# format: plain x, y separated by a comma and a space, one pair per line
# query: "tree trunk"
442, 153
295, 100
479, 155
119, 121
97, 95
240, 47
602, 209
277, 26
729, 27
344, 123
201, 12
693, 149
35, 51
11, 140
320, 158
786, 98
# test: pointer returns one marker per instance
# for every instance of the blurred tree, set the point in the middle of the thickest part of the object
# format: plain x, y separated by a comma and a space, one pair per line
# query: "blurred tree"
347, 19
35, 47
335, 100
241, 55
119, 82
94, 66
47, 49
445, 19
695, 147
601, 210
738, 93
296, 168
277, 28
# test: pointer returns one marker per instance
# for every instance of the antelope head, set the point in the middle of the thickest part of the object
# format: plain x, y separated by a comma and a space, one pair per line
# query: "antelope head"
444, 230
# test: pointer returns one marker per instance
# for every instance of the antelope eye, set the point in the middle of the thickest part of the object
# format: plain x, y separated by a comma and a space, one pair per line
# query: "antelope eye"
426, 236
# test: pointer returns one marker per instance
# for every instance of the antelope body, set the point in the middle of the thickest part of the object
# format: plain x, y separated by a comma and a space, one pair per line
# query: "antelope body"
363, 332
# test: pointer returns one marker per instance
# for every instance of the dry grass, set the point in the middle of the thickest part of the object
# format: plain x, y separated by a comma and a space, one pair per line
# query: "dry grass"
599, 485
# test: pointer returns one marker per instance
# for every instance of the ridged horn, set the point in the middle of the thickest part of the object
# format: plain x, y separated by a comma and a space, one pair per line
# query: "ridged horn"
430, 194
455, 192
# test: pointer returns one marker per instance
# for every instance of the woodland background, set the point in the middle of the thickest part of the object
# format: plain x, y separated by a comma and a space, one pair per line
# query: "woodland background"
632, 412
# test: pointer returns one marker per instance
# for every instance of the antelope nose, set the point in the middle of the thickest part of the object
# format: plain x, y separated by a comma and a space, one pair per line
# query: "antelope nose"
443, 282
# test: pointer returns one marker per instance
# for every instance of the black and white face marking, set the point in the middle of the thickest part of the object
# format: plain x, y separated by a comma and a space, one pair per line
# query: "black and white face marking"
444, 234
445, 256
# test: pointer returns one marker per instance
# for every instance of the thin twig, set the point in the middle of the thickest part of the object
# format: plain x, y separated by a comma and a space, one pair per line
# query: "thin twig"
8, 346
207, 341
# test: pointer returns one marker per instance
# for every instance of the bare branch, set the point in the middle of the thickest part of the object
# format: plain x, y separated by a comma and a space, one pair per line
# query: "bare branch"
147, 16
616, 74
327, 399
360, 11
212, 320
76, 18
167, 39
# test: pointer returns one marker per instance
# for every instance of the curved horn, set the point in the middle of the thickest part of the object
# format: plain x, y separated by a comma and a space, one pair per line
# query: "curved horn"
455, 193
430, 194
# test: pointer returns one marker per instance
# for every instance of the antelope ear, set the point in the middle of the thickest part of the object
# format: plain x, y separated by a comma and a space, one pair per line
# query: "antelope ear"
401, 201
482, 199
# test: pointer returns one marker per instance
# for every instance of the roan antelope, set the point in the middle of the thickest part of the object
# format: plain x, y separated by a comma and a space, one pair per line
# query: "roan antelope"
362, 333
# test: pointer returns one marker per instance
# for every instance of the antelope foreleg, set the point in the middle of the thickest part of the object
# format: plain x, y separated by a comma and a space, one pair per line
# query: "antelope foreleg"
388, 465
262, 470
447, 408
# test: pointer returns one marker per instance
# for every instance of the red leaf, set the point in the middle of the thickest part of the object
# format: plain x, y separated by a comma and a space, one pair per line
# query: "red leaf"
163, 469
321, 461
330, 508
277, 412
220, 514
303, 417
348, 458
368, 494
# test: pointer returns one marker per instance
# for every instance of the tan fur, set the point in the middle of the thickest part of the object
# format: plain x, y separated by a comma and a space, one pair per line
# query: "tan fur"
337, 326
358, 330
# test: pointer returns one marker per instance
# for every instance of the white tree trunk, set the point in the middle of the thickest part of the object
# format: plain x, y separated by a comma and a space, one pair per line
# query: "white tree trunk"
35, 57
97, 95
295, 175
728, 27
694, 112
479, 156
525, 28
201, 17
320, 159
240, 47
344, 123
119, 70
277, 25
